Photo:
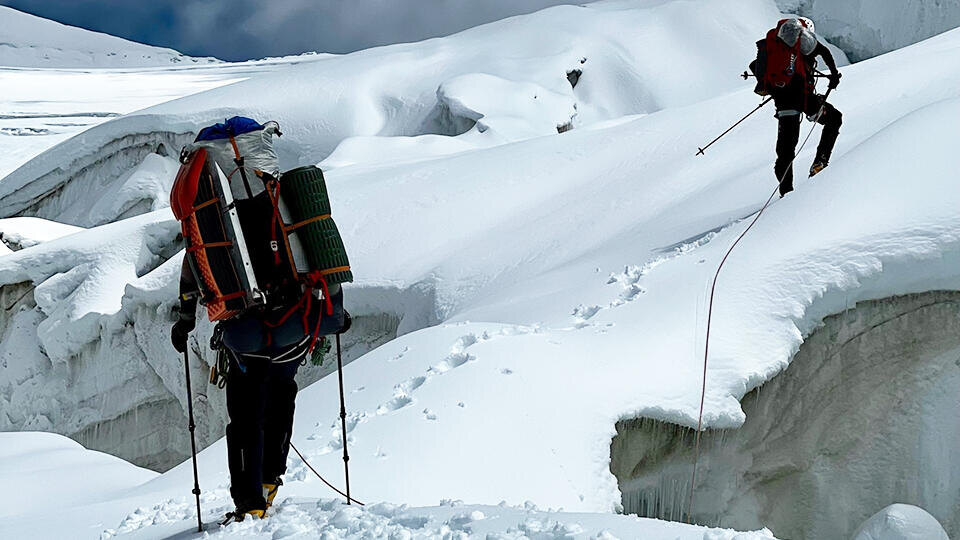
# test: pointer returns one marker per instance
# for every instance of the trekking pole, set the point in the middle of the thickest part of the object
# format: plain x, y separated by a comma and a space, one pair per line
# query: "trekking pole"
193, 440
701, 150
746, 75
343, 422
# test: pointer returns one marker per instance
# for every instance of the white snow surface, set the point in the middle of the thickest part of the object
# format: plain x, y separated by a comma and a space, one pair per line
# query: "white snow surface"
40, 108
396, 90
59, 473
99, 496
31, 41
901, 522
24, 232
569, 271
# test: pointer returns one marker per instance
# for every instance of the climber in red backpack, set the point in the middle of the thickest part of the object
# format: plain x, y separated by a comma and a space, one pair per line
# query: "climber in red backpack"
785, 68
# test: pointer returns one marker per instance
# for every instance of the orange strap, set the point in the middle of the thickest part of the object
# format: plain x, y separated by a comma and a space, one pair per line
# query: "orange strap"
288, 228
231, 296
236, 151
205, 204
329, 271
198, 247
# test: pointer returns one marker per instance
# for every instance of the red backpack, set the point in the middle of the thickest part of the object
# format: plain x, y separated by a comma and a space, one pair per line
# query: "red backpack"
779, 63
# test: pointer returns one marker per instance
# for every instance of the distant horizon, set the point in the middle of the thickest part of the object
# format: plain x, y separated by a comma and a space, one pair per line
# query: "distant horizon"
233, 30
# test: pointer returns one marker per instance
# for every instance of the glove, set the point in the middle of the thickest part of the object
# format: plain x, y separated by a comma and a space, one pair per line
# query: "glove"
347, 323
178, 334
834, 79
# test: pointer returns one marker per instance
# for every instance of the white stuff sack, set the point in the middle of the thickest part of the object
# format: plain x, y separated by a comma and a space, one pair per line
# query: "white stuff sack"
259, 158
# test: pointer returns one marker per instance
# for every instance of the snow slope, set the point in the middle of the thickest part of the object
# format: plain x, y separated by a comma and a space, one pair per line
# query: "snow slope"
44, 461
404, 90
82, 182
60, 473
31, 41
569, 272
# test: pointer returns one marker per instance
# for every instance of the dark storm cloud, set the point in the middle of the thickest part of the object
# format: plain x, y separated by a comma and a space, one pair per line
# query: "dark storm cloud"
243, 29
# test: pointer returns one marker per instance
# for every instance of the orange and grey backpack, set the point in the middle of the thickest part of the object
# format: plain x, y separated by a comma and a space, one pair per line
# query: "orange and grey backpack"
256, 239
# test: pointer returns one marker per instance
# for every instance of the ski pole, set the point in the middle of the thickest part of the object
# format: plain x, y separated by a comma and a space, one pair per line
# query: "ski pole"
193, 440
343, 422
700, 151
746, 75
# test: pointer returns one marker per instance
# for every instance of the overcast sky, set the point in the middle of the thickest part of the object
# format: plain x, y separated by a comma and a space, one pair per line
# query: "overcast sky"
245, 29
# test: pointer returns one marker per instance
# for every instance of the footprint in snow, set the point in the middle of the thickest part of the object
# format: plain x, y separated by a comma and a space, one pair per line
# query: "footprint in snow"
631, 276
395, 404
399, 356
402, 392
453, 360
410, 384
429, 415
582, 314
352, 420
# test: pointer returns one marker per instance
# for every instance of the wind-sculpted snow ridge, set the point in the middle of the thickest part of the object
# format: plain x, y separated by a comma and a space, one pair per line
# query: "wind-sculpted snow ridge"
31, 41
393, 91
24, 232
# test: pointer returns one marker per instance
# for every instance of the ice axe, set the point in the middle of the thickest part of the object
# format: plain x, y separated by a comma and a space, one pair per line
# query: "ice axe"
700, 151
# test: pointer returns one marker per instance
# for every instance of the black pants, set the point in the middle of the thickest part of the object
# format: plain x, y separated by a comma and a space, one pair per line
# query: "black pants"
260, 402
788, 133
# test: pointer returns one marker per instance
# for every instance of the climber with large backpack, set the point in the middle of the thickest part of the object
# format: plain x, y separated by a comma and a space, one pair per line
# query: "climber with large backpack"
266, 260
785, 69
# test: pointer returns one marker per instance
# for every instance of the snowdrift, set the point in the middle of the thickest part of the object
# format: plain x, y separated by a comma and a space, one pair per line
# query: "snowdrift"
565, 287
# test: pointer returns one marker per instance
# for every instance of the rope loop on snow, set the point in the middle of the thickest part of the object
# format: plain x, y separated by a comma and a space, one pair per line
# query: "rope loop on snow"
322, 479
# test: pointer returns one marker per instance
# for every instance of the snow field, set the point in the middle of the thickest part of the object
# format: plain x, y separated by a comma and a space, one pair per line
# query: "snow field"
393, 91
44, 107
569, 276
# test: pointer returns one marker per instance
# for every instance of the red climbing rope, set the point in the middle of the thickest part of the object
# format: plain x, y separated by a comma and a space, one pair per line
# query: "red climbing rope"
713, 288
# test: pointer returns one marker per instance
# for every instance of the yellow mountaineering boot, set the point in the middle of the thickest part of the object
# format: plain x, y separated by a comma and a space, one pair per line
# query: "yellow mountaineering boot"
817, 166
238, 515
270, 491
